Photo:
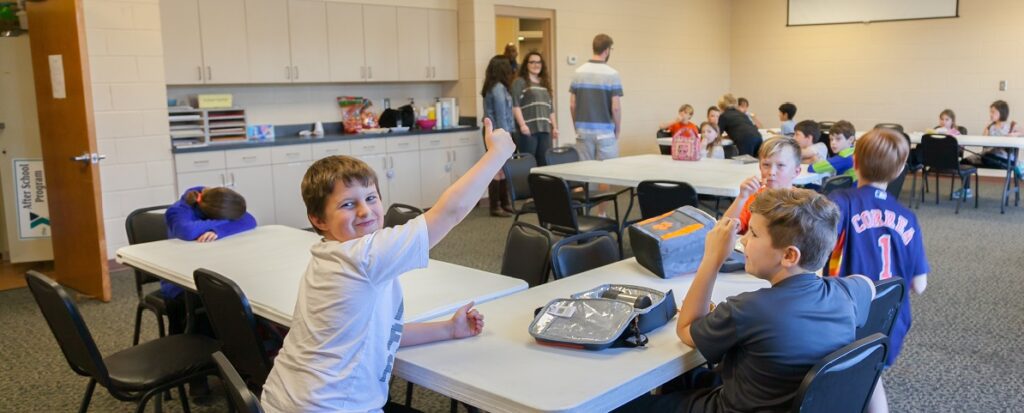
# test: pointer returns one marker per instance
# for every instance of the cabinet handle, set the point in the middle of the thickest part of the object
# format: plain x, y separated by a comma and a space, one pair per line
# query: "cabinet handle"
455, 157
222, 181
291, 154
296, 71
232, 179
433, 72
362, 72
199, 70
288, 72
369, 147
448, 155
209, 73
201, 162
249, 158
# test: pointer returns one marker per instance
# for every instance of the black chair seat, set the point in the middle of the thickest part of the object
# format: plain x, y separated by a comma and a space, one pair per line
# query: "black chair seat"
156, 300
964, 170
589, 223
156, 362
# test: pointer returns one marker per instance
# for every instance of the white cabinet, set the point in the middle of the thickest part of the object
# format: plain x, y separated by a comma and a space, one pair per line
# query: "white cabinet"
252, 183
444, 45
345, 42
223, 34
289, 209
444, 158
435, 174
414, 49
247, 171
404, 178
307, 31
267, 39
380, 39
464, 157
183, 52
379, 164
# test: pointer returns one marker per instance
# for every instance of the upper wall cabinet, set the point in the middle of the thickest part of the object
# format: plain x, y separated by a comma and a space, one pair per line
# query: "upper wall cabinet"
282, 52
183, 52
204, 41
429, 46
365, 47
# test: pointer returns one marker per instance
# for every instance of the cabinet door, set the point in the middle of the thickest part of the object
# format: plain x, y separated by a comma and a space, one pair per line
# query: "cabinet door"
345, 42
435, 174
205, 178
404, 178
378, 162
463, 158
267, 40
413, 46
380, 37
183, 51
307, 29
222, 23
288, 206
444, 45
253, 183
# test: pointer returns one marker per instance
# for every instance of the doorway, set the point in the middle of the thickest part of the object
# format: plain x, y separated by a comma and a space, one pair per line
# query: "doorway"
528, 29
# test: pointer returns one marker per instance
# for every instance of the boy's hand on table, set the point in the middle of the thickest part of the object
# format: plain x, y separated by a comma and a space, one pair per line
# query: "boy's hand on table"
720, 240
498, 140
467, 322
207, 237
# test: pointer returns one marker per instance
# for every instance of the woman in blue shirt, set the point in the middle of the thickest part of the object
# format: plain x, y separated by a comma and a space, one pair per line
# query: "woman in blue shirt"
498, 108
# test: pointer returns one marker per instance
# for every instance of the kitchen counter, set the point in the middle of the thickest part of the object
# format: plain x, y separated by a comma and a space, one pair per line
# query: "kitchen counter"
294, 139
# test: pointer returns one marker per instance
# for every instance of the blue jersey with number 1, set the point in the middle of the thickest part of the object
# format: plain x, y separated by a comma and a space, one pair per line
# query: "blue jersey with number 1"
879, 238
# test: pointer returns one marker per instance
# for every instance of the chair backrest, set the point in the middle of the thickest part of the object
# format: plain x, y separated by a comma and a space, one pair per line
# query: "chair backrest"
731, 151
554, 203
146, 225
842, 382
517, 171
659, 197
561, 154
231, 317
894, 126
939, 152
399, 214
241, 398
896, 186
963, 130
663, 133
825, 126
884, 308
836, 183
582, 252
527, 253
68, 327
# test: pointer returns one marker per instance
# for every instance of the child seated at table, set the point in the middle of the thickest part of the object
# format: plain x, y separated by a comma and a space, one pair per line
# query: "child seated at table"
712, 141
713, 113
878, 236
779, 162
786, 113
744, 106
841, 139
807, 133
994, 157
947, 124
348, 320
681, 121
767, 340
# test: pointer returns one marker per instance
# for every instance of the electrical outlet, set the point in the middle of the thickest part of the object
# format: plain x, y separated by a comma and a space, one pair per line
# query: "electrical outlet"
1002, 85
571, 60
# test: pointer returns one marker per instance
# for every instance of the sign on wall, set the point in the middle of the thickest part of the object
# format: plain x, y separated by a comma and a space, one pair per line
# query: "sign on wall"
30, 195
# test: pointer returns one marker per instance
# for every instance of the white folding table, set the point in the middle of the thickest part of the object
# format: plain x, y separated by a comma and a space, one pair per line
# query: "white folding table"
1012, 143
269, 261
505, 370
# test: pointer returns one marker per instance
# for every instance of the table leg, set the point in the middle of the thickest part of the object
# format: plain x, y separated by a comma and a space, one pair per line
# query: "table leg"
629, 208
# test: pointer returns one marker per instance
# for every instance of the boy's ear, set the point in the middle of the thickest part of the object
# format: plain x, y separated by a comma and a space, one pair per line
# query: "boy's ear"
791, 257
318, 223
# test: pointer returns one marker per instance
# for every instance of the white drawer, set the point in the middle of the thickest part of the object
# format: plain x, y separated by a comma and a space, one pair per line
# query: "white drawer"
291, 153
469, 138
368, 146
403, 144
199, 161
325, 149
435, 141
247, 157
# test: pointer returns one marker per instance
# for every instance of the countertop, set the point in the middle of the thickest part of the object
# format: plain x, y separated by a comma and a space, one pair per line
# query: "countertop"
293, 139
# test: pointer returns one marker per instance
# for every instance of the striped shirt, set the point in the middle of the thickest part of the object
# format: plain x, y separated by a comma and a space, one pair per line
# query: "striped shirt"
535, 102
594, 85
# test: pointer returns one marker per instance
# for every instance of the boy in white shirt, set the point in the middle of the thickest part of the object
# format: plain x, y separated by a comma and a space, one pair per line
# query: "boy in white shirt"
348, 320
806, 135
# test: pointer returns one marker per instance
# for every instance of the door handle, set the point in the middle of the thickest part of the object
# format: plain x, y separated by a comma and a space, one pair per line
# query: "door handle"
89, 158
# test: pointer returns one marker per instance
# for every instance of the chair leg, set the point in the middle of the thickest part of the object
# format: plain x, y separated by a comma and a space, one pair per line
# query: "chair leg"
455, 406
977, 189
408, 394
138, 324
937, 189
963, 192
160, 325
184, 399
89, 388
141, 408
913, 188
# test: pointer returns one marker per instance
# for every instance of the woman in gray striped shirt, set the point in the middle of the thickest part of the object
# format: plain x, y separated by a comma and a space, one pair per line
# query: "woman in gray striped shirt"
531, 105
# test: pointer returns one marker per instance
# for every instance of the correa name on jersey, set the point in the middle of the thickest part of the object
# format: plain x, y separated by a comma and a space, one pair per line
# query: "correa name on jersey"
879, 218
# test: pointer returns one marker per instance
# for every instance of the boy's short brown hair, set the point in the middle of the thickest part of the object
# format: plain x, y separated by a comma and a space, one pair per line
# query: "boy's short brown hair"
843, 128
777, 144
686, 108
602, 42
880, 155
801, 218
321, 177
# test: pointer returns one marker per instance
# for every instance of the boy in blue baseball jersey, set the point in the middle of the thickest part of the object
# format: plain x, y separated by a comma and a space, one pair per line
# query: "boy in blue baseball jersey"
878, 237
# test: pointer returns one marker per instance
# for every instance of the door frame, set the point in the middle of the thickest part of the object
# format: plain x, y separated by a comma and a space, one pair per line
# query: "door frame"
548, 15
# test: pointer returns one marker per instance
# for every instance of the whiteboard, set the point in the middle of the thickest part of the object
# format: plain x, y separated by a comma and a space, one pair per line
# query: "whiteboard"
810, 12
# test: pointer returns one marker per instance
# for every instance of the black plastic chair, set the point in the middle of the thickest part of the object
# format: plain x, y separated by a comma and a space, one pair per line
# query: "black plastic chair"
527, 253
566, 154
884, 307
894, 126
843, 381
963, 130
823, 136
556, 210
825, 126
517, 172
895, 188
239, 395
231, 317
664, 149
940, 157
583, 252
399, 214
147, 225
658, 197
134, 374
836, 183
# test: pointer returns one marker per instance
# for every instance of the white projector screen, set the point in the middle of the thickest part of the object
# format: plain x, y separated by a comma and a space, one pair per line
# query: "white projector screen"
811, 12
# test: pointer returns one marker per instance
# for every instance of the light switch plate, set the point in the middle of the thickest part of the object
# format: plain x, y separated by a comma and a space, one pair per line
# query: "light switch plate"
57, 76
1002, 85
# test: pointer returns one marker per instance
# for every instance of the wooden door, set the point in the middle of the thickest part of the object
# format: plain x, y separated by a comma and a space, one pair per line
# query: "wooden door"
307, 29
267, 38
444, 45
64, 102
380, 37
183, 51
225, 52
345, 42
413, 44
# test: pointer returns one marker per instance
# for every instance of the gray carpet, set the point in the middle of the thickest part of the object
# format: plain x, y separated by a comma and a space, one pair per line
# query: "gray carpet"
962, 354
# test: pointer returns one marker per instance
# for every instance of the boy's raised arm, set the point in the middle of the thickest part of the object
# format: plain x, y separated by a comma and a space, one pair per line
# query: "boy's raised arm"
462, 196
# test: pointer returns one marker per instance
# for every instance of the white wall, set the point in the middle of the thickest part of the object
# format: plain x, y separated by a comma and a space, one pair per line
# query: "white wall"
129, 100
904, 72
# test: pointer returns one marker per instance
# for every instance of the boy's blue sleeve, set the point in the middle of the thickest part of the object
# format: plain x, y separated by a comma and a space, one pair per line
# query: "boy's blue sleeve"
228, 228
859, 287
716, 333
836, 164
921, 266
183, 224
